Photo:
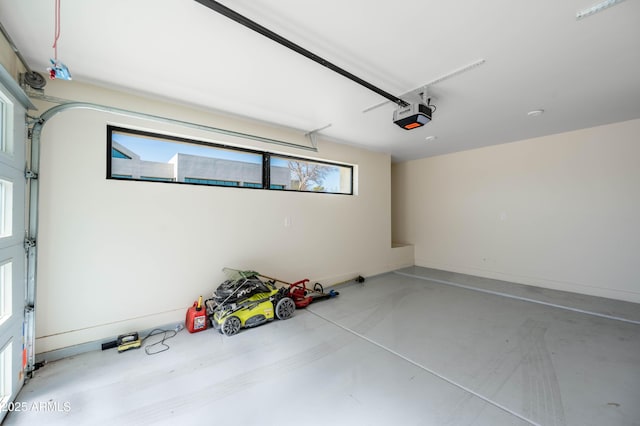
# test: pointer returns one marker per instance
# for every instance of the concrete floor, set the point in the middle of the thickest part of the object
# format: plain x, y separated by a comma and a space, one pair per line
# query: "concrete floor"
415, 347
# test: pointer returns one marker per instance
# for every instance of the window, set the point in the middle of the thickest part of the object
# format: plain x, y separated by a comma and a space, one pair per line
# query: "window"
6, 208
252, 185
3, 120
118, 154
6, 284
296, 174
5, 375
157, 179
6, 145
212, 182
143, 156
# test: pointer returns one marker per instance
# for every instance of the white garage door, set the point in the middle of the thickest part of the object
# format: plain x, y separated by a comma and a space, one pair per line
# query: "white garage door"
12, 251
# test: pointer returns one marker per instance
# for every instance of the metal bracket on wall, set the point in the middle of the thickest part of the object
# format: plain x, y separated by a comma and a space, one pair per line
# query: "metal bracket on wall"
29, 243
30, 174
312, 135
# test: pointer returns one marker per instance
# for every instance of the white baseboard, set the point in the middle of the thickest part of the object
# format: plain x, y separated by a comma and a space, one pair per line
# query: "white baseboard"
609, 293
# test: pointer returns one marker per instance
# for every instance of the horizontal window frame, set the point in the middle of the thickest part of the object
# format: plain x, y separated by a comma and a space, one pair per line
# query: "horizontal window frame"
266, 162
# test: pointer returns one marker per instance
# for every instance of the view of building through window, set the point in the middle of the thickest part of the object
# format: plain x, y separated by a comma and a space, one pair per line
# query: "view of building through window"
143, 156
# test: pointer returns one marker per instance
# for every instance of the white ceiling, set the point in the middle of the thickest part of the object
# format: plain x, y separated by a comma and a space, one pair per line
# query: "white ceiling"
537, 56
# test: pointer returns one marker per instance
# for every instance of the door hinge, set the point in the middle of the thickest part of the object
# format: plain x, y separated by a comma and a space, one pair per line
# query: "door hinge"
29, 243
30, 174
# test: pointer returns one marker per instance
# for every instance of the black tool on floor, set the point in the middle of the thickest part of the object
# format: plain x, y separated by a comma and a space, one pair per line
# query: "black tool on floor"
109, 345
128, 341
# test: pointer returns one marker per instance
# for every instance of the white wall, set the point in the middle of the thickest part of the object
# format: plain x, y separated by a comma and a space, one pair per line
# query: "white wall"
561, 211
117, 256
9, 60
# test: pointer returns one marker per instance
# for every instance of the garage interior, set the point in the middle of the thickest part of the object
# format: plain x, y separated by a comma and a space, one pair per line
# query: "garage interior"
499, 241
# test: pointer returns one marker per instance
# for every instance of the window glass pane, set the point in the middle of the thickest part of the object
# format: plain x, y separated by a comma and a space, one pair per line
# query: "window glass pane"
156, 158
252, 185
295, 174
6, 126
3, 125
157, 179
212, 182
118, 154
5, 374
6, 208
5, 290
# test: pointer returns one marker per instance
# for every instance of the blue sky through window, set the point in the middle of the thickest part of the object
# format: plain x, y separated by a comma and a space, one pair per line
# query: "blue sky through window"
163, 150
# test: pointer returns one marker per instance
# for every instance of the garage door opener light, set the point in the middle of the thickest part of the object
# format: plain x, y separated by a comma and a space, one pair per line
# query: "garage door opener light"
414, 115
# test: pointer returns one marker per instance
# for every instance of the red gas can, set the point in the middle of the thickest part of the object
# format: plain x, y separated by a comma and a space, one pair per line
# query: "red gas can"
196, 317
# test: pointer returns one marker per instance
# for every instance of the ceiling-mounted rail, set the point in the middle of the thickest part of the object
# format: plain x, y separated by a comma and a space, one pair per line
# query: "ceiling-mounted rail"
243, 20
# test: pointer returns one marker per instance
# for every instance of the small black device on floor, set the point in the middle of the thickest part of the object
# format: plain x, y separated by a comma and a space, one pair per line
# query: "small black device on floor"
128, 341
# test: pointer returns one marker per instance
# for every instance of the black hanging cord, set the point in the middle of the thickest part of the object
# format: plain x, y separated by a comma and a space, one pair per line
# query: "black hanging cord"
151, 349
231, 14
